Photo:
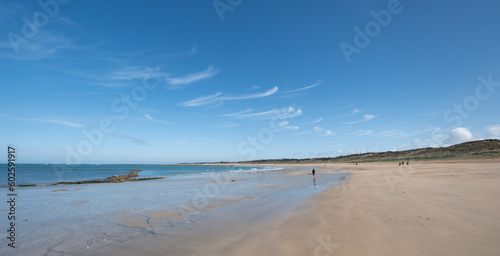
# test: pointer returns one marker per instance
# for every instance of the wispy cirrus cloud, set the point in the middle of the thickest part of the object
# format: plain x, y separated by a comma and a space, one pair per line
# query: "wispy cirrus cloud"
132, 139
61, 122
238, 113
52, 121
226, 125
131, 73
217, 98
128, 73
344, 107
320, 130
366, 117
150, 118
124, 75
362, 133
353, 112
318, 120
315, 121
391, 133
43, 45
45, 120
399, 133
37, 42
305, 88
286, 125
284, 113
211, 71
329, 133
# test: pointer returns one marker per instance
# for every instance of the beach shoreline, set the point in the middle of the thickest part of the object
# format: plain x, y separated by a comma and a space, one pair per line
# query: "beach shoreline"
426, 208
92, 219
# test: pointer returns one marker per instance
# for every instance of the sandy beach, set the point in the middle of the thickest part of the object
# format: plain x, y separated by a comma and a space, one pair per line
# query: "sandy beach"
426, 208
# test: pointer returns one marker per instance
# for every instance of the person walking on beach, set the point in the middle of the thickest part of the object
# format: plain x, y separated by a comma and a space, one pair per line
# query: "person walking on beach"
314, 172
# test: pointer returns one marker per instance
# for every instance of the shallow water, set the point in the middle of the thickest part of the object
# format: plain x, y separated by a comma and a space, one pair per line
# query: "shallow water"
84, 219
45, 174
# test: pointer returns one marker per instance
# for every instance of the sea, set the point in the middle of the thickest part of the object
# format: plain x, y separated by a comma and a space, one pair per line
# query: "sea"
47, 174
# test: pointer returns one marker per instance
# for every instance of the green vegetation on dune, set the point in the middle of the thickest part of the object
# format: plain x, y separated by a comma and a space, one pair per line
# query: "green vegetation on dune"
482, 149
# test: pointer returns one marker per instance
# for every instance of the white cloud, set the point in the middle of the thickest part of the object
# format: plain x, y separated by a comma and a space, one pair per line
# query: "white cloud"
192, 77
133, 72
129, 138
320, 130
285, 125
459, 135
205, 100
353, 112
150, 118
329, 133
318, 120
493, 131
400, 147
57, 121
128, 73
305, 88
42, 45
391, 133
303, 133
238, 113
362, 132
315, 121
421, 143
366, 117
283, 113
252, 96
227, 125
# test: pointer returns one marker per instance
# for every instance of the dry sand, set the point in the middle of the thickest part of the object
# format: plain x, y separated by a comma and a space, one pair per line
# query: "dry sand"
433, 208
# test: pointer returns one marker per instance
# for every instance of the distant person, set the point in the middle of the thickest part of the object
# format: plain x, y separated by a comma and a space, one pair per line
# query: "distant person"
399, 164
403, 163
314, 172
407, 162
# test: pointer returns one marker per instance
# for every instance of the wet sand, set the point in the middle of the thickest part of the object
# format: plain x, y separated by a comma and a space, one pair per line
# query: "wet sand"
183, 215
431, 208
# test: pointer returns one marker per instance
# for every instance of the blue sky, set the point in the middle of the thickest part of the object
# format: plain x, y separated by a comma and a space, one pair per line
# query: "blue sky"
186, 81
